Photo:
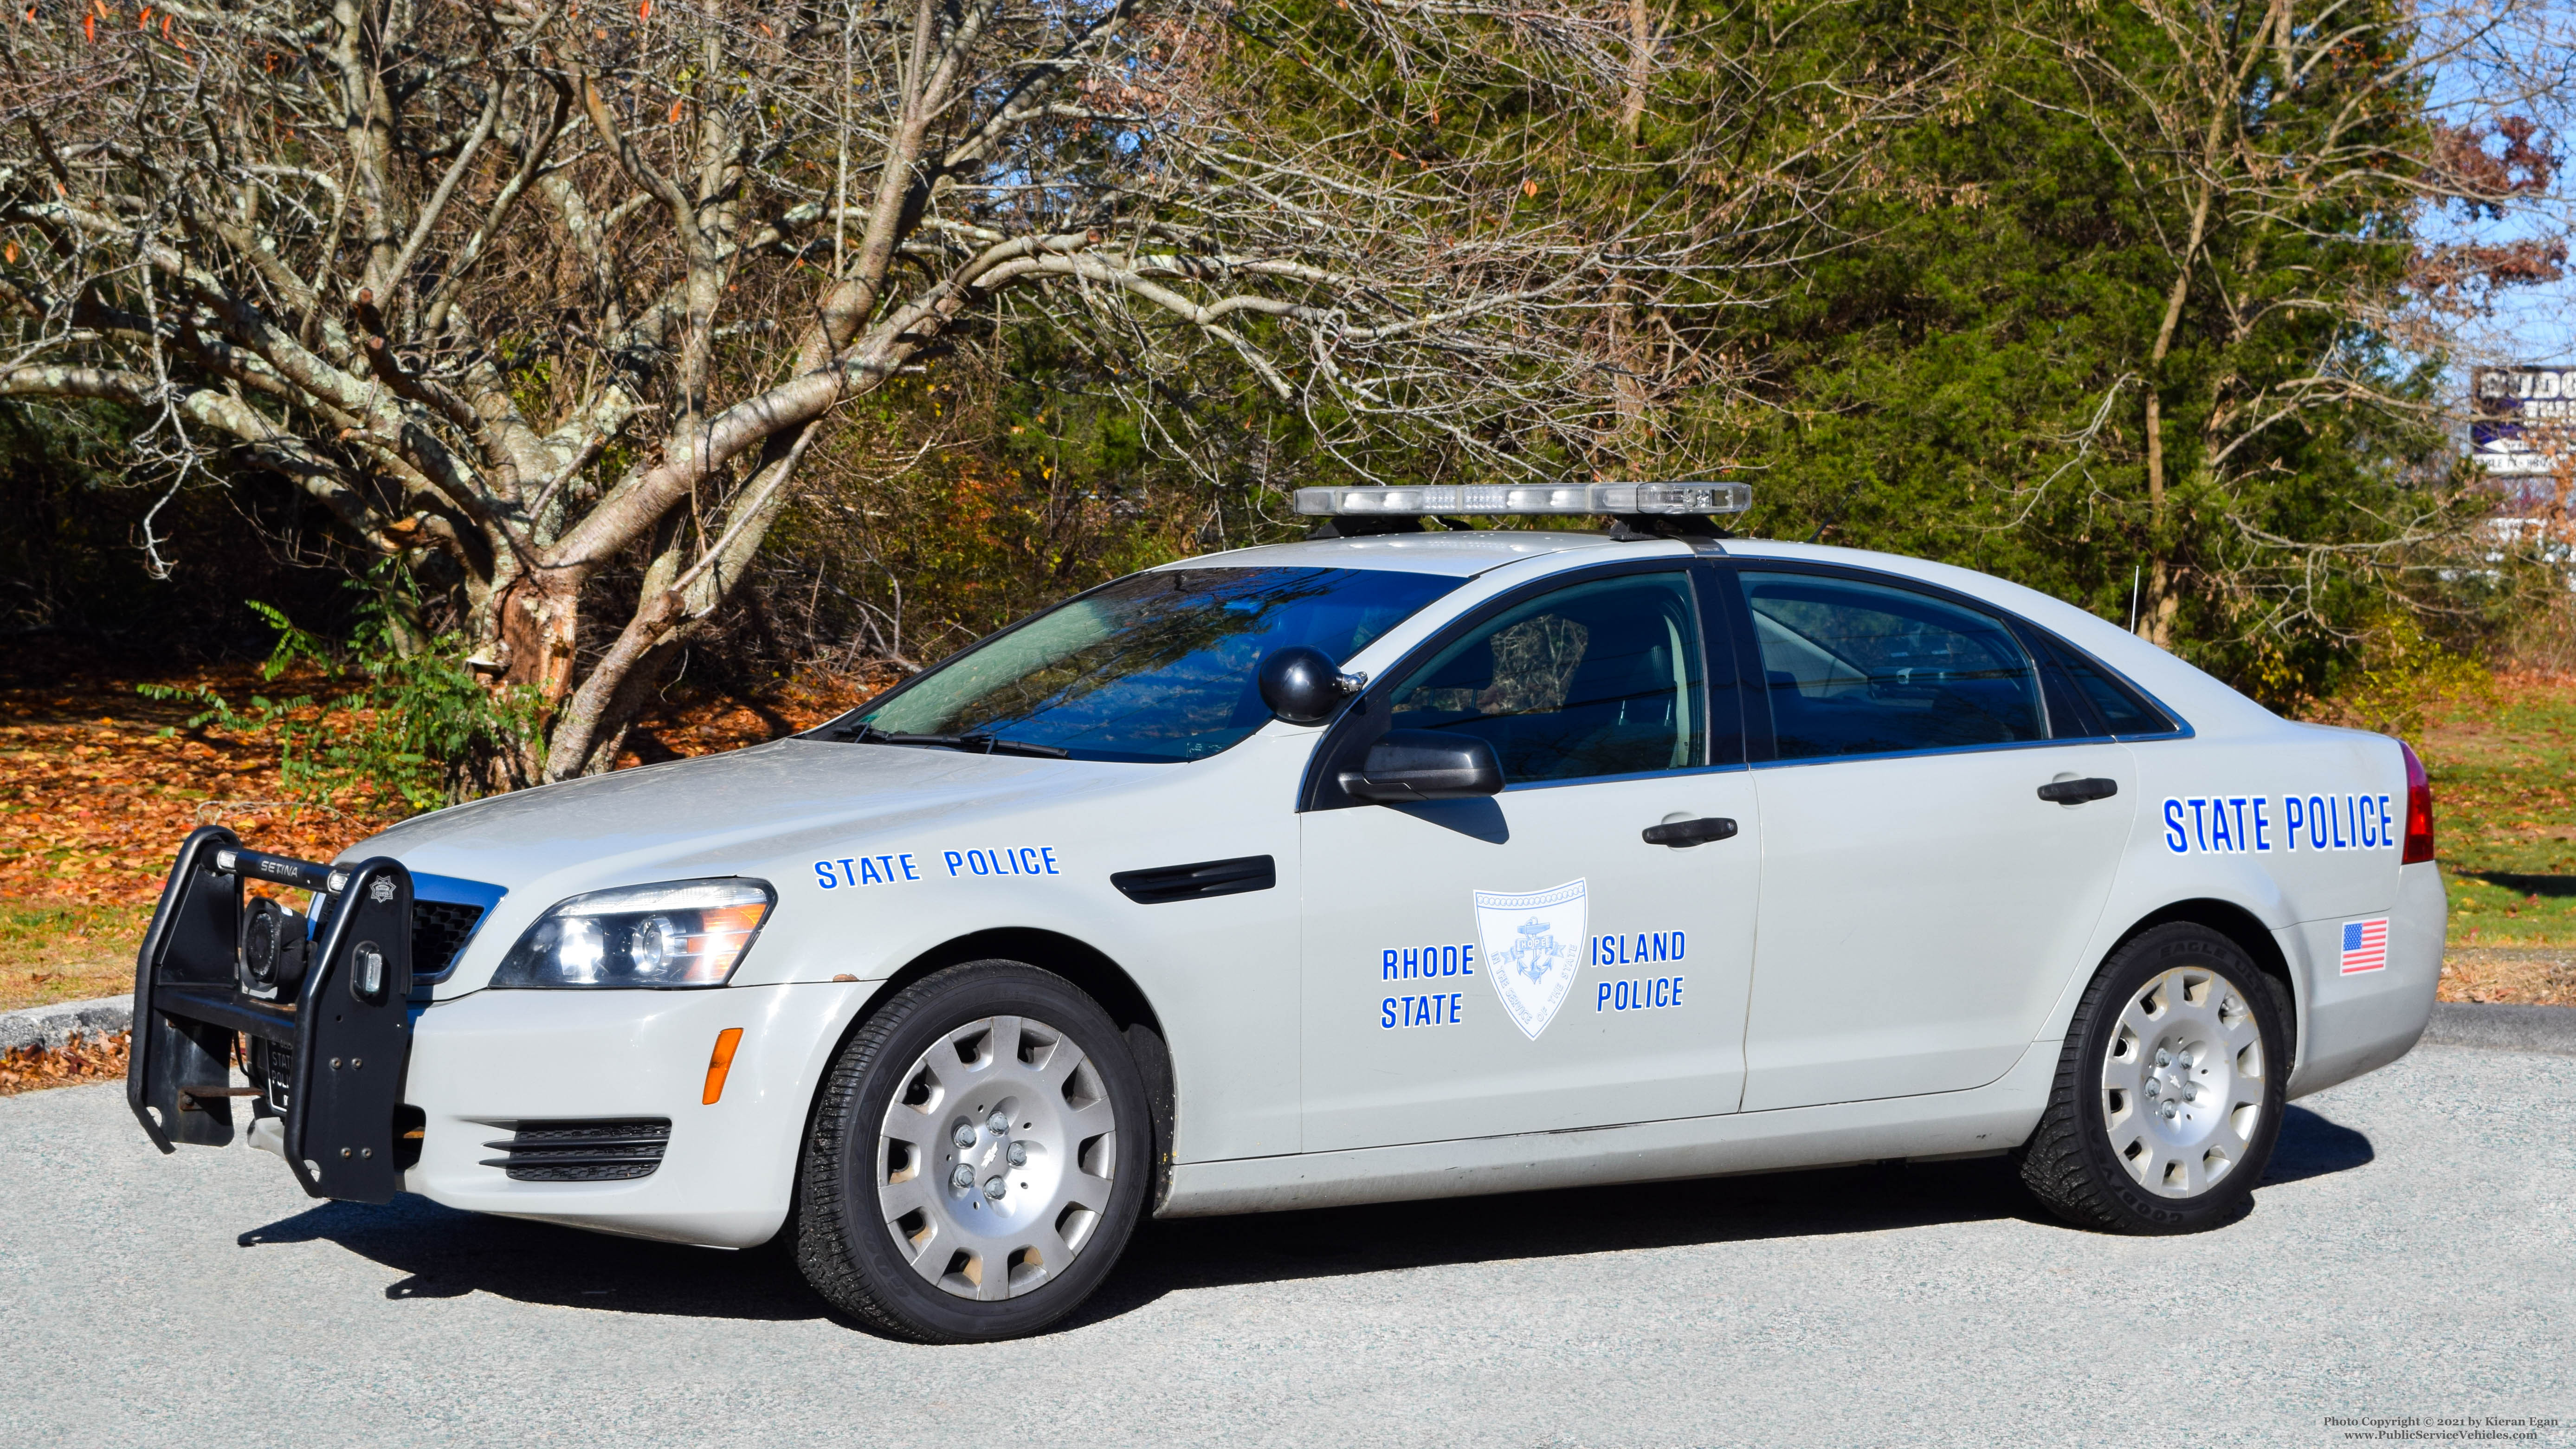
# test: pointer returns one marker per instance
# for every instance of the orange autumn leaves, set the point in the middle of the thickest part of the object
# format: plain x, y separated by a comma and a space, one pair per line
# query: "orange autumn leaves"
76, 1061
94, 799
147, 19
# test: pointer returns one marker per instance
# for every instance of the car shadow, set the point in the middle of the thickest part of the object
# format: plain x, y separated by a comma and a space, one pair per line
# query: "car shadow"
1185, 1253
2525, 885
445, 1253
2311, 1146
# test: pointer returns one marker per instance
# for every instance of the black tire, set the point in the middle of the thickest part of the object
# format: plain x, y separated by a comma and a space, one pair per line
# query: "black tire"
2145, 1157
855, 1163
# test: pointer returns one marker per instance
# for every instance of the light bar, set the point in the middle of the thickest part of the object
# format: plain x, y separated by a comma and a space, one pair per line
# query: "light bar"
1613, 498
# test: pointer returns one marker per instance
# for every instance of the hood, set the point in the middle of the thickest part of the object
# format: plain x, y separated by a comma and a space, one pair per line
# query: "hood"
736, 813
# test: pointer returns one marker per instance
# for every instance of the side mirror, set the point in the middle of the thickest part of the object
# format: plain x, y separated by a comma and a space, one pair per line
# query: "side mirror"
1303, 686
1409, 765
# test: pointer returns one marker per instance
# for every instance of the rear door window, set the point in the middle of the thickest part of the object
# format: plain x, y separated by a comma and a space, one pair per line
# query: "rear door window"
1854, 668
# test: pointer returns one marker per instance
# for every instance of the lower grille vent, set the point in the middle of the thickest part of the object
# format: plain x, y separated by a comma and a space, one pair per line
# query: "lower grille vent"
601, 1151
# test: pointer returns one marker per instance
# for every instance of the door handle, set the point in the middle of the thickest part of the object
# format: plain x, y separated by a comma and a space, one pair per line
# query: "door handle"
1683, 834
2076, 792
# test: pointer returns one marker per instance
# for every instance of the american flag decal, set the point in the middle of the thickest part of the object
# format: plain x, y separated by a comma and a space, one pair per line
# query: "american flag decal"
2365, 945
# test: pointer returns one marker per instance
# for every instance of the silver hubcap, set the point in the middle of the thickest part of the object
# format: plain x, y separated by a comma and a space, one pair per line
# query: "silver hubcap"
994, 1160
2182, 1082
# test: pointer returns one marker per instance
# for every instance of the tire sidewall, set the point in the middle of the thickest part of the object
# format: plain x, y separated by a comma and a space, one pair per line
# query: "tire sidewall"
2144, 958
909, 1024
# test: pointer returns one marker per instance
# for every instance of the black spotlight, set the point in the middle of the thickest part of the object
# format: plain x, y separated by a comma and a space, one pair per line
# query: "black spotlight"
274, 948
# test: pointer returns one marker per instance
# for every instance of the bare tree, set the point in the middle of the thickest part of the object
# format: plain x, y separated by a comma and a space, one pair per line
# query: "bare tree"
537, 290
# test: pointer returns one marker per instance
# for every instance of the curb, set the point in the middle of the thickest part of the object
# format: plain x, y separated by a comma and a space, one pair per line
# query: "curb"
2550, 1029
49, 1027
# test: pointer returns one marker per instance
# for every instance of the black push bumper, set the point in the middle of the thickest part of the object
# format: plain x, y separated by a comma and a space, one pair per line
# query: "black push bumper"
328, 1064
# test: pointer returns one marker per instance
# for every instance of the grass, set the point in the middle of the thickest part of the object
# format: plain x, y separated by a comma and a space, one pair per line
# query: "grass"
2504, 828
64, 950
2504, 815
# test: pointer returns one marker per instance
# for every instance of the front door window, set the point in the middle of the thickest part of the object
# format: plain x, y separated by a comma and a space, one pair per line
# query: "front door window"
1599, 679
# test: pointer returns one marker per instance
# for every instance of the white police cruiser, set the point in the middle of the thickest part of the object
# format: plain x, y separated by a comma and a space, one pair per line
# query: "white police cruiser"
1396, 863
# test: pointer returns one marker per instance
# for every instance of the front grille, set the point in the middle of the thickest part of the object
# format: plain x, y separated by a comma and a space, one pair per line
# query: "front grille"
598, 1151
439, 930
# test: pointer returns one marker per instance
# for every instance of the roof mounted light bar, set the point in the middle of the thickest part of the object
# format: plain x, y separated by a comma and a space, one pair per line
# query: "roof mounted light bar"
1619, 499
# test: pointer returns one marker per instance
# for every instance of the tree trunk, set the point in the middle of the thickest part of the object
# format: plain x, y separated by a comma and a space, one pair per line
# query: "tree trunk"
538, 621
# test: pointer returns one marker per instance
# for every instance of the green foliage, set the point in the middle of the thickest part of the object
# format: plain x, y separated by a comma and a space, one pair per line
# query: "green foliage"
2406, 675
1968, 379
399, 716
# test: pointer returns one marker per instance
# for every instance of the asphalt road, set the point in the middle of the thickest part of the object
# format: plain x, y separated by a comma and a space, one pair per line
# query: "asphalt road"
2413, 1253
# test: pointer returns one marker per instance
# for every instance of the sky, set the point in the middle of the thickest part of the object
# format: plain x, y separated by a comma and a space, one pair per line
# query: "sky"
2497, 57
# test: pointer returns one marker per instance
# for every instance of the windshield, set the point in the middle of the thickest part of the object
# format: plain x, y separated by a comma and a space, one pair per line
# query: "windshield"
1157, 667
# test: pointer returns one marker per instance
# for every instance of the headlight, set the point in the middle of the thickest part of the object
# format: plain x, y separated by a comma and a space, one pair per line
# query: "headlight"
678, 933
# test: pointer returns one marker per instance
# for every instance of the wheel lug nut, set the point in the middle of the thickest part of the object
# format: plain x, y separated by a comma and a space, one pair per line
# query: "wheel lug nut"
964, 1136
963, 1178
998, 1122
2170, 1111
2163, 1058
994, 1186
1019, 1154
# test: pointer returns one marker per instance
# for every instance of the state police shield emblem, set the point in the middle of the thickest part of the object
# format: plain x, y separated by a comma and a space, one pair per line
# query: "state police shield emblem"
1533, 946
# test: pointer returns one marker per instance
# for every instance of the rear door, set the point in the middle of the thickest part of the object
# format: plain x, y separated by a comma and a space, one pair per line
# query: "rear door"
1921, 905
1527, 961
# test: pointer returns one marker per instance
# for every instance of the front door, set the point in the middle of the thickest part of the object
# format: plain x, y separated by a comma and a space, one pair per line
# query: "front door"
1922, 909
1528, 962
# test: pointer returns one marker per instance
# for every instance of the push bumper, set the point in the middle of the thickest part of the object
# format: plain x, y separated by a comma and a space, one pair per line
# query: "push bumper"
327, 1064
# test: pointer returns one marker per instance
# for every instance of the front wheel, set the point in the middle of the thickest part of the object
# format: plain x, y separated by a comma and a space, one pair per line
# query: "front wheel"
2169, 1090
977, 1160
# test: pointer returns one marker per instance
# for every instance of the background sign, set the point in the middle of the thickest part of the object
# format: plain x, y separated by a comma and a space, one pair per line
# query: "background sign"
2522, 418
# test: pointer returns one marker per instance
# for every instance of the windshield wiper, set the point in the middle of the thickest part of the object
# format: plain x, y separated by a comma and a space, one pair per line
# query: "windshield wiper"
985, 744
974, 742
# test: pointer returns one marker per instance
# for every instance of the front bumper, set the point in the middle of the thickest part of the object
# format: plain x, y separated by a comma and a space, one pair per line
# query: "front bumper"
496, 1067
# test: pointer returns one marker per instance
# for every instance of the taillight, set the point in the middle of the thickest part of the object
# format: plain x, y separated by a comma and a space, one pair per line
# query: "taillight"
2419, 810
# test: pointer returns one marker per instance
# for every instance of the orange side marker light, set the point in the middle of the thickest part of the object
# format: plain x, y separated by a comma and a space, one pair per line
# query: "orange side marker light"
720, 1061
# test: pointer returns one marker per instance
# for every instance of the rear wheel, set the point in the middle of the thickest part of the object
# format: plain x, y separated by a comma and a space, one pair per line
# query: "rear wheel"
977, 1160
2169, 1090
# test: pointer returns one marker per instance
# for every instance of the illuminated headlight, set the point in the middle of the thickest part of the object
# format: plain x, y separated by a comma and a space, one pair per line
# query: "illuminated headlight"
678, 933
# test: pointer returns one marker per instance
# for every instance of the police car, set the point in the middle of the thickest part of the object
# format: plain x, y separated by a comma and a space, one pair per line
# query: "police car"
1407, 861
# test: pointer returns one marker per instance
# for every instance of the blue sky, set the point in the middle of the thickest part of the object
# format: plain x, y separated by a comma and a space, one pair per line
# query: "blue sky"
2520, 57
